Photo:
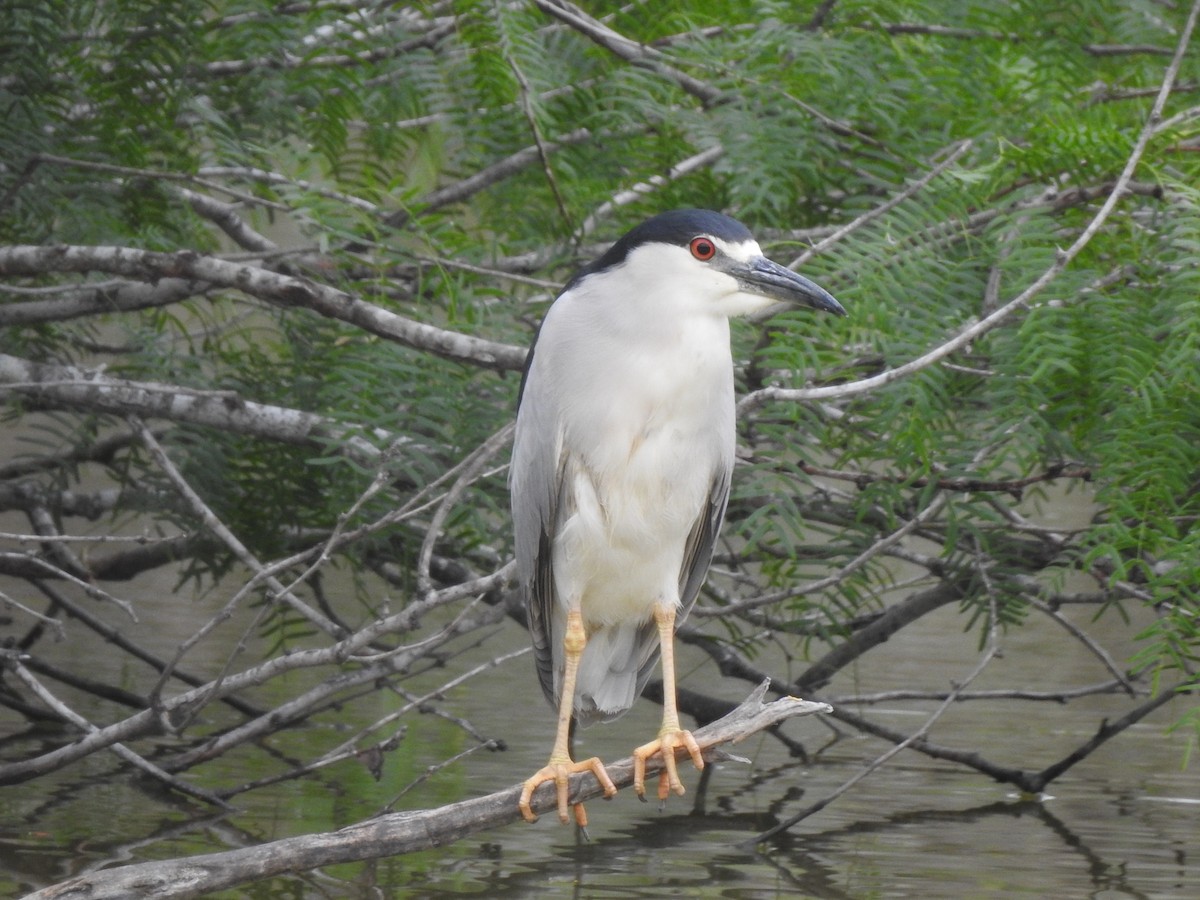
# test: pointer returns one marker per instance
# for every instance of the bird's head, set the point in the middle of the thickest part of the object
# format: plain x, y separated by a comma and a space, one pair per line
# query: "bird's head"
706, 261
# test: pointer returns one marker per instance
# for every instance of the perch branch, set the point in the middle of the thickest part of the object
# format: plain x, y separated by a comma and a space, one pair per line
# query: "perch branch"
393, 833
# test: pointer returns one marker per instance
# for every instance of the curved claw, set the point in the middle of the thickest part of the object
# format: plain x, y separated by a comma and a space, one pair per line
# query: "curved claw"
560, 772
667, 744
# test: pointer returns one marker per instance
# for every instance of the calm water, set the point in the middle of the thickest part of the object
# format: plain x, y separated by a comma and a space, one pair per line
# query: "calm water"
1124, 823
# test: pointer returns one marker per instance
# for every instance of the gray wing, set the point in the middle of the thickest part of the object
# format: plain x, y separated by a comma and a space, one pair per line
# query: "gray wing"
535, 489
698, 552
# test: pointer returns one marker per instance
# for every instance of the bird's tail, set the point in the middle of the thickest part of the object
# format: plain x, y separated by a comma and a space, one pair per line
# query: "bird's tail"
615, 666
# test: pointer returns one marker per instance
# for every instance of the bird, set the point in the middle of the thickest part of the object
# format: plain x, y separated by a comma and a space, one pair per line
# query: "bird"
622, 457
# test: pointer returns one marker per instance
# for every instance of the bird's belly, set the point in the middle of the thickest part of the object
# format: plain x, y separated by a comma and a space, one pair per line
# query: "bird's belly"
644, 450
621, 551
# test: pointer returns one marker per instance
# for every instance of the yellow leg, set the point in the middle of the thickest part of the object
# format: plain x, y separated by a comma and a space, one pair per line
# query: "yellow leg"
561, 767
670, 737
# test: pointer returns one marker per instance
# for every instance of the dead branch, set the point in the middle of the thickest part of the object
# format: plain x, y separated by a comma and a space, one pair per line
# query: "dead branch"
13, 663
79, 388
918, 735
393, 833
1013, 486
629, 50
485, 177
88, 300
263, 284
181, 706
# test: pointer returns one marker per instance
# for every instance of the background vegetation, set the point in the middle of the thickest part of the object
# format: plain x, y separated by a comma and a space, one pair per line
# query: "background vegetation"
269, 270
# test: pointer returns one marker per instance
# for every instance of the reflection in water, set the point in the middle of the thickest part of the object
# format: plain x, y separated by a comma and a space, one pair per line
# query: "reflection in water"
1122, 823
916, 832
1000, 848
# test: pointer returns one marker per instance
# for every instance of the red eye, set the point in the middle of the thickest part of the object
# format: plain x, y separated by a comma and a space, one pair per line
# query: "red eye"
703, 249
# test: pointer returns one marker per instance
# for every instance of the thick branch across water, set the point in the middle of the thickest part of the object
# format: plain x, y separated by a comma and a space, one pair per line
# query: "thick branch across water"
394, 833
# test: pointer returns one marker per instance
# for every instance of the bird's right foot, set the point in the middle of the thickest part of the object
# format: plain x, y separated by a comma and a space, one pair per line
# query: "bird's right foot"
668, 741
560, 771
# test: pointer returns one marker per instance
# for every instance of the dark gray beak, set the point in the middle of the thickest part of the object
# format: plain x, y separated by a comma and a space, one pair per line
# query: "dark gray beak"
761, 276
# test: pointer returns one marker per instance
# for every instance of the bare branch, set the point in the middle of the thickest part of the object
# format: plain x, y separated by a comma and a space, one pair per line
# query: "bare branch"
1104, 733
250, 173
629, 50
49, 621
875, 633
76, 388
1126, 49
225, 217
913, 738
33, 566
124, 296
301, 705
468, 471
214, 524
641, 189
1012, 486
42, 693
272, 287
288, 60
1096, 650
394, 833
118, 639
928, 513
1031, 783
1061, 696
892, 202
486, 177
151, 721
968, 34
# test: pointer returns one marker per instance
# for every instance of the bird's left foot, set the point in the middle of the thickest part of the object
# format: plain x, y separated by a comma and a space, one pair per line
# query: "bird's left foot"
668, 779
559, 770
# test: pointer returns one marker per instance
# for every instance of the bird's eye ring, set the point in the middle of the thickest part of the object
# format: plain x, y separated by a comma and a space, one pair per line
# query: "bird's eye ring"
703, 249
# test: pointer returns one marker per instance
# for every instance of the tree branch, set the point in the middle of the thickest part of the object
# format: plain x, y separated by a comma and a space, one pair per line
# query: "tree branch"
393, 833
486, 177
86, 300
271, 287
1012, 486
77, 388
12, 662
629, 50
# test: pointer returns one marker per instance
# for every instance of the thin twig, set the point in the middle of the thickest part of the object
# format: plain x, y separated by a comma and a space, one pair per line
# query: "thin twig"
47, 568
1062, 696
891, 203
927, 514
470, 470
988, 655
432, 770
56, 624
214, 524
642, 188
46, 696
1093, 647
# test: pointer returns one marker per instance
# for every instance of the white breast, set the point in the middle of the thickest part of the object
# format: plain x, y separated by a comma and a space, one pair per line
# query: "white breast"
647, 421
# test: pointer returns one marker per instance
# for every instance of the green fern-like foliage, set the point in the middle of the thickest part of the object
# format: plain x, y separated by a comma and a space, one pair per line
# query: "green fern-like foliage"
450, 163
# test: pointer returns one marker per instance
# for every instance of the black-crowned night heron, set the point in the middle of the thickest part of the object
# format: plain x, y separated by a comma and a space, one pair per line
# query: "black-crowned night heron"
621, 465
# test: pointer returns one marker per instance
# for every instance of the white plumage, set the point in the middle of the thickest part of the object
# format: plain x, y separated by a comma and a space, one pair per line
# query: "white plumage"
622, 459
638, 419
